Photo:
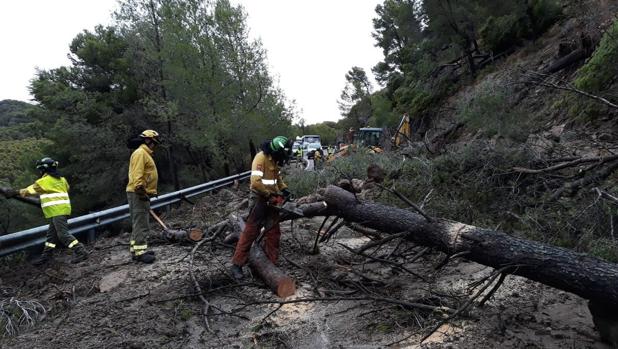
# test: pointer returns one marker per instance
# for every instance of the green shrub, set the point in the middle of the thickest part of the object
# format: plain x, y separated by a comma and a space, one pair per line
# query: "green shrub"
543, 13
18, 156
302, 182
601, 69
501, 33
486, 107
604, 248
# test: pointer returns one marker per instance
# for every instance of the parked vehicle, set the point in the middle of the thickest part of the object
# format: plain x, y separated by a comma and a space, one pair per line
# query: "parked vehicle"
310, 139
309, 143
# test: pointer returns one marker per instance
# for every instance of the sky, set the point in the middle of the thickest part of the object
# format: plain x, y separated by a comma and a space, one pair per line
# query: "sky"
311, 44
37, 33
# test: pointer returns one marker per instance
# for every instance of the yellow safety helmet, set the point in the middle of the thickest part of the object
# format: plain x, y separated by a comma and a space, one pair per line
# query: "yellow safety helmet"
152, 134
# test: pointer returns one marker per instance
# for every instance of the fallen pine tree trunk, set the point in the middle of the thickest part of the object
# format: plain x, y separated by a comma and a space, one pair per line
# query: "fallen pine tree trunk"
237, 224
588, 277
279, 282
569, 59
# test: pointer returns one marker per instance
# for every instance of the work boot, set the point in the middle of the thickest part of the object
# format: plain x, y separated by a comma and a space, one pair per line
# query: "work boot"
237, 273
147, 257
79, 254
134, 257
44, 258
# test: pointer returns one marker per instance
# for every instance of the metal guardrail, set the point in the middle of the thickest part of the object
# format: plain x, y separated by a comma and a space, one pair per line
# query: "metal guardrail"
15, 242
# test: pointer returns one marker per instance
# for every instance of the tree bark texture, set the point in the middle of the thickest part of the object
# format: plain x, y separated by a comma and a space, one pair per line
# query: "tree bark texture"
281, 284
174, 235
586, 276
571, 58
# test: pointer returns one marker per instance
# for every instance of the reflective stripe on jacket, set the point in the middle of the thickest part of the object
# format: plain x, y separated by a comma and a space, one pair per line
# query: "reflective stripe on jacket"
142, 171
265, 175
54, 195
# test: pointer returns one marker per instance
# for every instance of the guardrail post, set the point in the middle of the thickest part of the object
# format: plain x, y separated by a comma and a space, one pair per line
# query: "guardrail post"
91, 236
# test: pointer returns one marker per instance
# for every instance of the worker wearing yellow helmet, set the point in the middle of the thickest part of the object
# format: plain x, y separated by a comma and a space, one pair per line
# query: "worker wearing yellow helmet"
143, 178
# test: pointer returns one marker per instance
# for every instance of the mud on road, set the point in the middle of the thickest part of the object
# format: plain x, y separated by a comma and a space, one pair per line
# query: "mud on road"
112, 302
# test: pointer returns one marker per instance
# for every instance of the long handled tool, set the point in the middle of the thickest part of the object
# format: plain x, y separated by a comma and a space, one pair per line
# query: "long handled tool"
32, 201
177, 235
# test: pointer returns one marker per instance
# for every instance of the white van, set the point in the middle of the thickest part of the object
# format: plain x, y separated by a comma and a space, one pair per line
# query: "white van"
310, 142
311, 139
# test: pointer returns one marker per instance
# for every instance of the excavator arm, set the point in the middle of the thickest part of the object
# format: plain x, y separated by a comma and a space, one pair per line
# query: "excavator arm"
404, 131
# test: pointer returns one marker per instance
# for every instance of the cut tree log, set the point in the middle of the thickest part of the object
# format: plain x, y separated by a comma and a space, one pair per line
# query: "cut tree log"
281, 284
237, 224
174, 235
571, 58
588, 277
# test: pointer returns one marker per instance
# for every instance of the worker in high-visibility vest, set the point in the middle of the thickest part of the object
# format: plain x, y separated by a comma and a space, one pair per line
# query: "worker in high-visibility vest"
53, 191
298, 154
143, 178
268, 191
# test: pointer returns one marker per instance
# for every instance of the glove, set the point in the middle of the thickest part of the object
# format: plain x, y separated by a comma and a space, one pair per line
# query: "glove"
141, 194
23, 192
276, 199
286, 193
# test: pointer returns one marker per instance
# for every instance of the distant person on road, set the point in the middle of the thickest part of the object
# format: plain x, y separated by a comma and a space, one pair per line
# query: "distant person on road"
310, 160
143, 178
318, 157
268, 191
53, 191
299, 157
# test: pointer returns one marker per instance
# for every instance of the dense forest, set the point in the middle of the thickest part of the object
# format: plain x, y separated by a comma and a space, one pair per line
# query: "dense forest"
185, 68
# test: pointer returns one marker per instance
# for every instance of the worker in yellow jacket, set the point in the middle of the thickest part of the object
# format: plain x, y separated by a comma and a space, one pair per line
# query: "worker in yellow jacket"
268, 191
143, 178
53, 191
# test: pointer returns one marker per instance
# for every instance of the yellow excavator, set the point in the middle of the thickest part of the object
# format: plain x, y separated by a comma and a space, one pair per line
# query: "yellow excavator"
372, 138
403, 132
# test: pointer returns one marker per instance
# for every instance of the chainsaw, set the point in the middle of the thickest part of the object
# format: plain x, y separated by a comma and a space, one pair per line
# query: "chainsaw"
285, 206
